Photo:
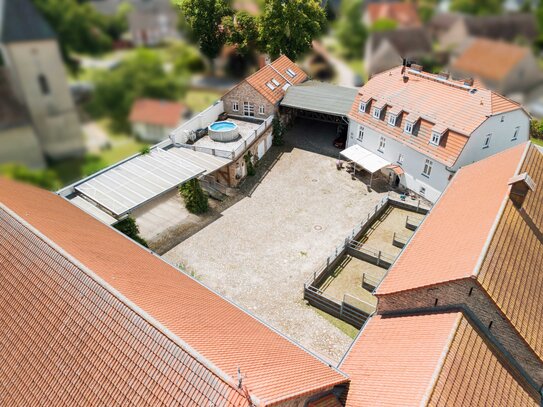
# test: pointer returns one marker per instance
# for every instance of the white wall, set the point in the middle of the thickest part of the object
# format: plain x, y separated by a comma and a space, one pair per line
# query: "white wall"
142, 131
204, 119
413, 162
502, 133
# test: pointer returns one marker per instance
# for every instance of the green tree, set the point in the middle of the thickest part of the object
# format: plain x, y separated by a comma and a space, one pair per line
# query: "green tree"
185, 58
46, 179
242, 31
289, 26
536, 129
141, 75
196, 200
477, 7
79, 27
350, 30
278, 131
203, 18
384, 24
129, 227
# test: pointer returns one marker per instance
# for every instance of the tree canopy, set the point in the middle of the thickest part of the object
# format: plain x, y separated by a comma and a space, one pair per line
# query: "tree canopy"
350, 29
384, 24
242, 31
140, 75
477, 7
289, 27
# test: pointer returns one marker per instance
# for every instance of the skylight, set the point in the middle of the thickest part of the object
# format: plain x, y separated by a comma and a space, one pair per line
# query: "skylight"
270, 85
275, 82
291, 73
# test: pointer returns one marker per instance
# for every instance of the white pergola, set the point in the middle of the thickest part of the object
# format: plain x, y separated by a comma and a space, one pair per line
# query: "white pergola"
371, 162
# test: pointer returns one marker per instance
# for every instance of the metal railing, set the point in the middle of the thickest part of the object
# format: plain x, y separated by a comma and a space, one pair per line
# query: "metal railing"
399, 240
379, 255
370, 281
412, 223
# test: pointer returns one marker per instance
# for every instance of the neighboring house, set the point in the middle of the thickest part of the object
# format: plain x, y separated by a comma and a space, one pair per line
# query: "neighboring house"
259, 94
440, 24
385, 50
153, 120
37, 80
503, 67
403, 13
91, 318
430, 126
461, 307
510, 28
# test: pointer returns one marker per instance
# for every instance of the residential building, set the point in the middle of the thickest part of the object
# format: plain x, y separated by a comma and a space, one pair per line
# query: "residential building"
440, 24
34, 72
503, 67
458, 313
404, 14
259, 94
153, 120
385, 50
509, 27
90, 317
431, 125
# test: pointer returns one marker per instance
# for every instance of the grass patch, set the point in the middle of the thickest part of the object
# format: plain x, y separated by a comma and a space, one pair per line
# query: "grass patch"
537, 141
348, 329
199, 100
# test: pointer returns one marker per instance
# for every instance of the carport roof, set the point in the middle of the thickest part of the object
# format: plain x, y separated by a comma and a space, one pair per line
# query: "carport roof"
320, 97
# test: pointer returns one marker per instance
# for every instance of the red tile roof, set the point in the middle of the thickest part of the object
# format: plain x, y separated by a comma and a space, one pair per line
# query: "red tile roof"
436, 102
431, 360
275, 368
157, 112
489, 59
404, 13
446, 246
277, 71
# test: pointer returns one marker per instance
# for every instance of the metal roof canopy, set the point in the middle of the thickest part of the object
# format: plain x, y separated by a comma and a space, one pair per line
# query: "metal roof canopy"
134, 182
320, 97
366, 159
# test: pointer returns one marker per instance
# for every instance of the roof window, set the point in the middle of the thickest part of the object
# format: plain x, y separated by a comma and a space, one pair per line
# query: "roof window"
275, 82
291, 73
270, 85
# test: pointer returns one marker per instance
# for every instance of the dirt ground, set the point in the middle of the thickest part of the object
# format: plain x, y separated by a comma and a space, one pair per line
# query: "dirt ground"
260, 251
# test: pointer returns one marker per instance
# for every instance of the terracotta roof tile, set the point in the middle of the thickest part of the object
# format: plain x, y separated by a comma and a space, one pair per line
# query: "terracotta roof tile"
436, 102
277, 71
434, 360
489, 59
446, 246
274, 367
404, 13
158, 112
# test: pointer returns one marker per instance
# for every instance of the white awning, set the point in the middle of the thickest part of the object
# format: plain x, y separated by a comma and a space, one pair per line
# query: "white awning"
366, 159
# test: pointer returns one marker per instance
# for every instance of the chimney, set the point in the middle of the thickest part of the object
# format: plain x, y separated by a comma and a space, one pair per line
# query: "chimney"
443, 75
468, 81
416, 67
520, 186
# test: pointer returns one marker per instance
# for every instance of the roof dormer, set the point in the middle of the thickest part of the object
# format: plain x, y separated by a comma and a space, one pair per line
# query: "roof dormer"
521, 185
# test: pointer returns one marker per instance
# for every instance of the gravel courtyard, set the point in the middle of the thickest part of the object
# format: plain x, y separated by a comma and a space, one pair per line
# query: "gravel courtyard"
263, 248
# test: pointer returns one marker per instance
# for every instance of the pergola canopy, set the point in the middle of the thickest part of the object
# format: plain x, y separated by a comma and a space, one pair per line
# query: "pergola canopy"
371, 162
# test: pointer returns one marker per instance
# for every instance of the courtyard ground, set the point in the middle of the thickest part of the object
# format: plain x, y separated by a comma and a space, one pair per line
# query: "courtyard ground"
261, 250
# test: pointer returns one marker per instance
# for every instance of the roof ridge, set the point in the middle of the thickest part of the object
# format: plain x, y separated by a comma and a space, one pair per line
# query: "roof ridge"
127, 302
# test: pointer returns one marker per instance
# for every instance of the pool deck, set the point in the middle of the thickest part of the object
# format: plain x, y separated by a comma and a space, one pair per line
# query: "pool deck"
246, 129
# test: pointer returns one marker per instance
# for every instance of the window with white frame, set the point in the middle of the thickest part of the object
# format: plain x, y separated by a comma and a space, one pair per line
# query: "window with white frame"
275, 82
291, 73
360, 133
382, 144
408, 128
270, 85
427, 170
362, 107
392, 119
515, 135
400, 158
261, 109
436, 138
235, 106
486, 142
377, 113
248, 109
422, 191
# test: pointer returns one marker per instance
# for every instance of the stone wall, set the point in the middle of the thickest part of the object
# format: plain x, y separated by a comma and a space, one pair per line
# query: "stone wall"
246, 93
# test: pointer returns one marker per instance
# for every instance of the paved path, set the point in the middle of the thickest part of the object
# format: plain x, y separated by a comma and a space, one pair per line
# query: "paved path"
263, 249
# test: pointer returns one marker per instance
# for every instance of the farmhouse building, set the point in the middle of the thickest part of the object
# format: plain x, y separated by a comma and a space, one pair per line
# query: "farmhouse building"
259, 94
430, 125
153, 120
459, 312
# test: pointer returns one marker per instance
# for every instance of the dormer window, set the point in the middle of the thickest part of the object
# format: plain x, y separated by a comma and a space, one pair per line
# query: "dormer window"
291, 73
286, 86
436, 138
275, 82
362, 107
408, 128
270, 85
392, 119
377, 113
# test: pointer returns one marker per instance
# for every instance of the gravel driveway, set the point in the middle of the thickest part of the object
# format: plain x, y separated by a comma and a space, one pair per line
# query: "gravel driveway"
263, 248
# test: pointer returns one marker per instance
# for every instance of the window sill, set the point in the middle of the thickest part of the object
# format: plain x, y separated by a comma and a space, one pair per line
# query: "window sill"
381, 151
425, 176
485, 147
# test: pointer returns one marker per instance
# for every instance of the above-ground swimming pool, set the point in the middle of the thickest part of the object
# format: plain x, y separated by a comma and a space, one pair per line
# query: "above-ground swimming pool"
223, 131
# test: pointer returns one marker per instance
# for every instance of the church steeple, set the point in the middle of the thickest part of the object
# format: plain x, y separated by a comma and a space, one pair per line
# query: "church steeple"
21, 21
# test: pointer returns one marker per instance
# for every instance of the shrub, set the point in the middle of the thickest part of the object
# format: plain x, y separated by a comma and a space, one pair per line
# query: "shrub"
41, 178
278, 130
129, 227
196, 201
249, 162
536, 129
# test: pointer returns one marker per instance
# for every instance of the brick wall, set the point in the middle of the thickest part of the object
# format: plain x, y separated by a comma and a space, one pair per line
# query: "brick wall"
246, 93
468, 293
